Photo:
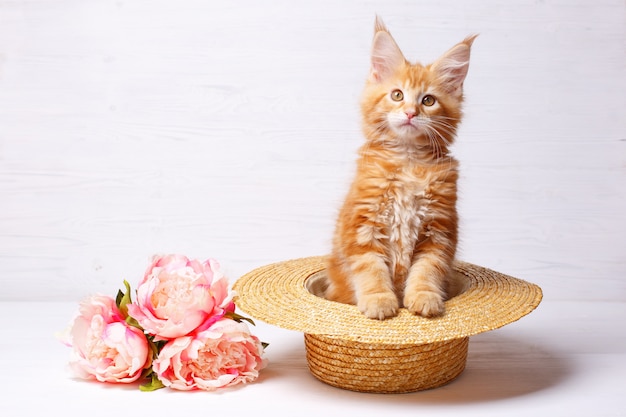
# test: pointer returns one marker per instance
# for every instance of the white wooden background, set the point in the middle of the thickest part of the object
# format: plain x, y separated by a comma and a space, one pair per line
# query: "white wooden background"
229, 130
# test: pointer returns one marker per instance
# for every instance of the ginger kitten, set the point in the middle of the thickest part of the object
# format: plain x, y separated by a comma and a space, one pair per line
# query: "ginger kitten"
396, 235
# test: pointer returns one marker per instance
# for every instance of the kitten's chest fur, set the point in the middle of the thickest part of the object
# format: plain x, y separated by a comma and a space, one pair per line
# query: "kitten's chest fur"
401, 214
404, 206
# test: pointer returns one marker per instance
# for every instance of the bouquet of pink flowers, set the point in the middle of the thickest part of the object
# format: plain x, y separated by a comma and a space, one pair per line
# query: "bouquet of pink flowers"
180, 332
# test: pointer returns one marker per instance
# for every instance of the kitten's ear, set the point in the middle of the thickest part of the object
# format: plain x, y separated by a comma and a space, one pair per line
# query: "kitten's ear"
452, 67
386, 55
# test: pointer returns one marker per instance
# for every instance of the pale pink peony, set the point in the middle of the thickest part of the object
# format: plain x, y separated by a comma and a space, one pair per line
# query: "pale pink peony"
177, 295
224, 355
104, 346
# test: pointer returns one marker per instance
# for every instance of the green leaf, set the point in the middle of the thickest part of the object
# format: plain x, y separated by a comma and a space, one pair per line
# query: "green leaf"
146, 373
239, 318
153, 385
118, 298
124, 300
155, 347
132, 322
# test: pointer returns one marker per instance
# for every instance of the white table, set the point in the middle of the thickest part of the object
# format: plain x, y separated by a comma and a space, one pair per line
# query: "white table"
564, 359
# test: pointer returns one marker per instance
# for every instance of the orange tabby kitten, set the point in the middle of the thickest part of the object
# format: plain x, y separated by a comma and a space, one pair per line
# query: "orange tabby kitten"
396, 235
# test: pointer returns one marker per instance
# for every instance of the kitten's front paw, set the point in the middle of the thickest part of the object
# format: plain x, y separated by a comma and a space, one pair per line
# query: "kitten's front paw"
425, 303
379, 306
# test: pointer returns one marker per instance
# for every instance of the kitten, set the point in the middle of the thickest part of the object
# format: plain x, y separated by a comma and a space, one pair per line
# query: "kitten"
396, 235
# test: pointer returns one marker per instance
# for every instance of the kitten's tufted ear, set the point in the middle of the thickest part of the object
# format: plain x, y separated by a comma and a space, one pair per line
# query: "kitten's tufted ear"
452, 67
386, 55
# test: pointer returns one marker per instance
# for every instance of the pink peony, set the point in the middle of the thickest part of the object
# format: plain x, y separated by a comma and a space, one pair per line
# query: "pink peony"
104, 346
177, 295
223, 355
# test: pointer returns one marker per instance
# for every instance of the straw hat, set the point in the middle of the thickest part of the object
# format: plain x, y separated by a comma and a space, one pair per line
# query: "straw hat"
402, 354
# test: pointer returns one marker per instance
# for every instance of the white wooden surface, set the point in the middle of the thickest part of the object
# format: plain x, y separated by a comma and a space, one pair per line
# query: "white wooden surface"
229, 130
560, 361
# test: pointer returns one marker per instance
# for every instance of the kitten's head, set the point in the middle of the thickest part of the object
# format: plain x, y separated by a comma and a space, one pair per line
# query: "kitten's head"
412, 104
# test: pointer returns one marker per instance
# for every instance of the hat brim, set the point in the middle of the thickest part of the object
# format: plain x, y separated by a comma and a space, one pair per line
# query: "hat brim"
277, 294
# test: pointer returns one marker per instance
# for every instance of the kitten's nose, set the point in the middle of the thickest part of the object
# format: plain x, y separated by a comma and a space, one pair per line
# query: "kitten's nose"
410, 114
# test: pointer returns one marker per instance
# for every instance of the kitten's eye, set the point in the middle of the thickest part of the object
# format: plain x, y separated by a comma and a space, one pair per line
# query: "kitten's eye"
397, 95
428, 100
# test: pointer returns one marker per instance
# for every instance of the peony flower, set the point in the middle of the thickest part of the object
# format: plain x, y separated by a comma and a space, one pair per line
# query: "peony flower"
223, 355
177, 295
104, 346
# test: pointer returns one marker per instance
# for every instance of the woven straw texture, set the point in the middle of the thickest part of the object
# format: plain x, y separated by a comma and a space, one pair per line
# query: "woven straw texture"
276, 294
384, 368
